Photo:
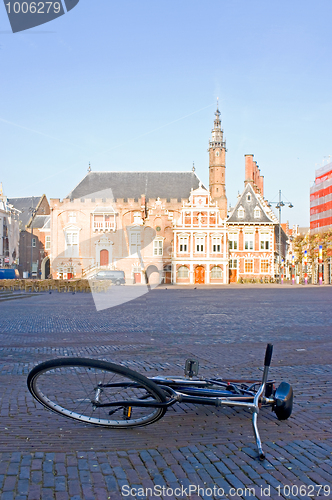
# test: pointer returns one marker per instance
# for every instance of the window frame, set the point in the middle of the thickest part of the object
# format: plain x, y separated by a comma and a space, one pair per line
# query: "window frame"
216, 277
240, 213
137, 218
265, 241
71, 247
231, 264
72, 217
257, 212
249, 243
266, 262
216, 242
180, 269
233, 243
248, 262
199, 246
135, 247
184, 242
158, 247
47, 242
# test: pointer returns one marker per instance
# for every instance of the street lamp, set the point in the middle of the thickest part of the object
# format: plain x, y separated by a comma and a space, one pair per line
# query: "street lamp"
279, 204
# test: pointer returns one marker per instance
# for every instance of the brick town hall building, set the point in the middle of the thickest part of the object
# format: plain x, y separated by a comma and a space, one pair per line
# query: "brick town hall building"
165, 226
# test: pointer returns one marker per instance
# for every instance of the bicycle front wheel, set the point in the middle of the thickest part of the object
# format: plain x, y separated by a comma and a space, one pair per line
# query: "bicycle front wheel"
78, 388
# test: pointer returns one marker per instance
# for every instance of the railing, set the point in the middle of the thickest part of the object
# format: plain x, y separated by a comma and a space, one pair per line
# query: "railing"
86, 270
104, 226
95, 267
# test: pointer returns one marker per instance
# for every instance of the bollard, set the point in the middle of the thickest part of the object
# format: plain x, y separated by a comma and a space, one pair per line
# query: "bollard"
320, 265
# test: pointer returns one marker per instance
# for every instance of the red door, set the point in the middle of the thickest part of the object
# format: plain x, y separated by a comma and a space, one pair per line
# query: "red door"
233, 275
137, 277
199, 275
103, 257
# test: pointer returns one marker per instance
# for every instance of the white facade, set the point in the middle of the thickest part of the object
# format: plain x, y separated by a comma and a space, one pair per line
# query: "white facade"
200, 253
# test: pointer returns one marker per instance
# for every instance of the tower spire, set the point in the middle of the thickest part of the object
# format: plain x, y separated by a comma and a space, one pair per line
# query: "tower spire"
217, 132
217, 164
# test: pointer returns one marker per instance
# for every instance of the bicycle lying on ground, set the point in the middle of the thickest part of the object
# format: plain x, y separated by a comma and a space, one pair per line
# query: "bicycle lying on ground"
110, 395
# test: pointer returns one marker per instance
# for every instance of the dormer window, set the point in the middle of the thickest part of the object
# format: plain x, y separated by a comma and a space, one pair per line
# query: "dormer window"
257, 213
240, 213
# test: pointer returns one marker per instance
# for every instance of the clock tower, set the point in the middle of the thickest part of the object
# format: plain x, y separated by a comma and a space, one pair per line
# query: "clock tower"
217, 165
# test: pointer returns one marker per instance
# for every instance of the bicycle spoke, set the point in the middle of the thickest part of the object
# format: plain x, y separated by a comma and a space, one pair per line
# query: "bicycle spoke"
73, 387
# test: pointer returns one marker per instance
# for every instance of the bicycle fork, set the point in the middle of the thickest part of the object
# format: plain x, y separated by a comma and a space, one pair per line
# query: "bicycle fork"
259, 393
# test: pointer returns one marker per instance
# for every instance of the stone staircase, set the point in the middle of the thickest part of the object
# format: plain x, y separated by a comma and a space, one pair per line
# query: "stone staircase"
17, 294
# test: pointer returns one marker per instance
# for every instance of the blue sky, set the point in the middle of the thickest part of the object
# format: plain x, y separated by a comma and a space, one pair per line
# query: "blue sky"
133, 86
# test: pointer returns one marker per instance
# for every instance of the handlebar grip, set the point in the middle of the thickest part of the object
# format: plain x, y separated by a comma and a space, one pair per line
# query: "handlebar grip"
268, 354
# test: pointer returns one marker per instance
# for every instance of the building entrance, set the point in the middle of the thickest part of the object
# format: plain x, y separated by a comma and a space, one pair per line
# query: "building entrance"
199, 275
233, 275
104, 257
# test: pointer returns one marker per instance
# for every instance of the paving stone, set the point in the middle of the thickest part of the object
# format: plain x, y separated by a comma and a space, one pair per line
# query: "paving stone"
58, 459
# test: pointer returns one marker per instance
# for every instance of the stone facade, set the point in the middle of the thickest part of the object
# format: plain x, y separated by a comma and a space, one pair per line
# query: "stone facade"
97, 227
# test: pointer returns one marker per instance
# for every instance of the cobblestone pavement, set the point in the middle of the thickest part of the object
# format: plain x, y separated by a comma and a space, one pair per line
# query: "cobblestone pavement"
45, 456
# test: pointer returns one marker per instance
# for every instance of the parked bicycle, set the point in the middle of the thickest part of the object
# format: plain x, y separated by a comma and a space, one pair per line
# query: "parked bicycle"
110, 395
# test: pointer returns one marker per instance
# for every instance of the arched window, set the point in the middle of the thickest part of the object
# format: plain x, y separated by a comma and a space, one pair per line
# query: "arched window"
183, 272
216, 272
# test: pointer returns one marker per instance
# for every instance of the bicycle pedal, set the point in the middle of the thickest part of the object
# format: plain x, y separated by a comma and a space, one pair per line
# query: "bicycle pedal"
191, 368
127, 411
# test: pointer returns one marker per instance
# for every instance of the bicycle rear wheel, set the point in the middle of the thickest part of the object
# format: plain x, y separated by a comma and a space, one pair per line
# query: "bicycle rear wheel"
73, 386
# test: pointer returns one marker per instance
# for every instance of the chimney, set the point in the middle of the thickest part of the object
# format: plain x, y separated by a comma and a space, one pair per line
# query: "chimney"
261, 184
255, 176
249, 165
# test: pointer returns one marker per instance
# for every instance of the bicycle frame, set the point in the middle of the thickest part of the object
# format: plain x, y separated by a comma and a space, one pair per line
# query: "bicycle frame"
252, 400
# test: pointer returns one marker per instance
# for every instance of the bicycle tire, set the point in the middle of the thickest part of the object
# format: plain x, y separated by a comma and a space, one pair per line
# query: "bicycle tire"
68, 386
